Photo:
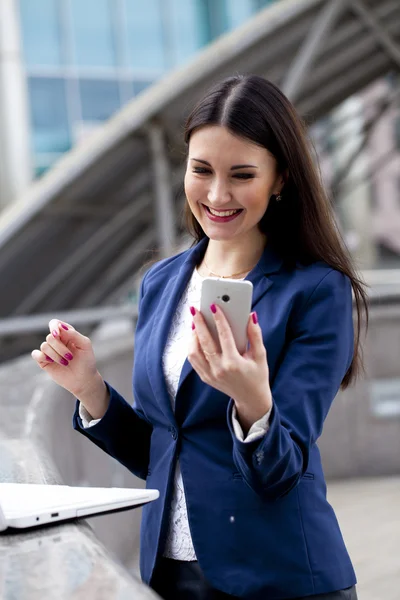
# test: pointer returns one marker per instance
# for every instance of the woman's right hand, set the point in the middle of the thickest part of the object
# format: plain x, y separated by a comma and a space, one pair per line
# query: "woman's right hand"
68, 358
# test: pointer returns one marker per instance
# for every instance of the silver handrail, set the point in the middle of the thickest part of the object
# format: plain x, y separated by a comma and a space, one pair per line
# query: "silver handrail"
87, 316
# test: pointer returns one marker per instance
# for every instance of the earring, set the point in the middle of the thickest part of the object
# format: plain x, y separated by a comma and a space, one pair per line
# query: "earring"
278, 197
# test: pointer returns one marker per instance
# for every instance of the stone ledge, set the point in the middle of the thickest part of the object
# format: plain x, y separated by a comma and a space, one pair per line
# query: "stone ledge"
55, 561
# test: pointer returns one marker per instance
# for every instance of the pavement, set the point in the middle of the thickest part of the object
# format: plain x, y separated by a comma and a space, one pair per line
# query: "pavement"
368, 511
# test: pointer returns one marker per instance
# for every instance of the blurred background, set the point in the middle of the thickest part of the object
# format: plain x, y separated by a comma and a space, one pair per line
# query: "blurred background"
93, 96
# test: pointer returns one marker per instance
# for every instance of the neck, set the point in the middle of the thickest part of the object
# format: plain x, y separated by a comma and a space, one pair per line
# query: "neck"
226, 257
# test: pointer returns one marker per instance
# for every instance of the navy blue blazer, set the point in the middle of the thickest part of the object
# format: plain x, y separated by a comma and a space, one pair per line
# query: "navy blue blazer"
259, 519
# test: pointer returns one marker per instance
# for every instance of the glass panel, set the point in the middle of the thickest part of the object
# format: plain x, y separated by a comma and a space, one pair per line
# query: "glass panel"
41, 32
188, 29
139, 85
126, 91
100, 99
44, 162
259, 4
238, 11
93, 33
217, 15
49, 116
39, 171
144, 34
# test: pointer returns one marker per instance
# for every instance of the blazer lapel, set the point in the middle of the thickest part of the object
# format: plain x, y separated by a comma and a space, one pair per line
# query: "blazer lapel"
269, 263
169, 301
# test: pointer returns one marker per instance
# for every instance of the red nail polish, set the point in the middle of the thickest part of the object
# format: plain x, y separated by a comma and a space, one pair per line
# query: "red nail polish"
192, 310
48, 358
55, 333
193, 326
68, 356
64, 362
255, 318
64, 326
213, 308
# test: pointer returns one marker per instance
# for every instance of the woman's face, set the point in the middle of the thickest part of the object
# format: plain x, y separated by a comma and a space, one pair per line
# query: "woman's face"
228, 182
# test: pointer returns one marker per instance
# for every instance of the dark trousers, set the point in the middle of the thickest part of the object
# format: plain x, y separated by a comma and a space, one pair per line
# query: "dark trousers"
180, 580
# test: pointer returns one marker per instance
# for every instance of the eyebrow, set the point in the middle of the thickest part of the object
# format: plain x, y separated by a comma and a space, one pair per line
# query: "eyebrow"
232, 168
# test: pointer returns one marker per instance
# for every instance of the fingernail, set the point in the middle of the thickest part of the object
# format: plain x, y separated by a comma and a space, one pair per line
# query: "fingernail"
64, 326
68, 356
255, 318
193, 310
48, 358
213, 308
55, 333
193, 326
64, 362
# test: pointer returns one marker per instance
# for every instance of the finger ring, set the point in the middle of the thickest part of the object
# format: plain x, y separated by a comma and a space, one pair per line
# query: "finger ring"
210, 353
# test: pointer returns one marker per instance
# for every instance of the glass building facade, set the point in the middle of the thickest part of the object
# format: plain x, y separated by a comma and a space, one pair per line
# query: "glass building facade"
85, 59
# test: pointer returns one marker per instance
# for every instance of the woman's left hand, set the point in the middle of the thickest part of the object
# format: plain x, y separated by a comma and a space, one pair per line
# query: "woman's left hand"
243, 377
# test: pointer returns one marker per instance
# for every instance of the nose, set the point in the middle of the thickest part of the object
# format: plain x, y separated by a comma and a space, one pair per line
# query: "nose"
219, 193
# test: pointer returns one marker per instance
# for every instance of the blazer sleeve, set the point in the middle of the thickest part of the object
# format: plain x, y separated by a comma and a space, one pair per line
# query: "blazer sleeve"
311, 371
124, 432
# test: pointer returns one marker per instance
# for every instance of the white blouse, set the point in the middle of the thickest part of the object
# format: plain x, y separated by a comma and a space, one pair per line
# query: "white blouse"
179, 544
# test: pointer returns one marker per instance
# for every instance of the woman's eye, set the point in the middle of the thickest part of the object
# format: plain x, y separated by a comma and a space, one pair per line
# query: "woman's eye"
203, 171
244, 176
200, 170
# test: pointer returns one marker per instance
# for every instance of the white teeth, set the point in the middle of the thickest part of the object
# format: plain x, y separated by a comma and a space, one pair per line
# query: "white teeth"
222, 213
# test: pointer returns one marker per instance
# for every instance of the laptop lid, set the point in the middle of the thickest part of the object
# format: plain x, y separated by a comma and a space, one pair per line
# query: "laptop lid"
28, 505
3, 522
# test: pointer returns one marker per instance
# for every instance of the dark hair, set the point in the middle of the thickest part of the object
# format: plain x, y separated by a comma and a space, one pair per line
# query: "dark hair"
302, 226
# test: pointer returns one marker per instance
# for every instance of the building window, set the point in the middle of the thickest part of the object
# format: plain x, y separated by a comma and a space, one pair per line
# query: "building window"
93, 33
44, 162
99, 99
50, 127
187, 29
145, 35
217, 18
140, 84
239, 11
41, 32
260, 4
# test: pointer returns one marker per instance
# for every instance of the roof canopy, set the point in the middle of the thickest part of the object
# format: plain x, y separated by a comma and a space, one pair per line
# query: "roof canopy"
81, 232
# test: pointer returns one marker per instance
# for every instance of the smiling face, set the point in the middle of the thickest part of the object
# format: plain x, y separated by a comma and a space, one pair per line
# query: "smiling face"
228, 183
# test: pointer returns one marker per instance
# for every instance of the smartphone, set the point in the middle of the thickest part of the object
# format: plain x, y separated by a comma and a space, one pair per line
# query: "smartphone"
235, 299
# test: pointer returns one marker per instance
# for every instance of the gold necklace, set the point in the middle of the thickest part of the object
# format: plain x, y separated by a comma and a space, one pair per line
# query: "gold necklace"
224, 276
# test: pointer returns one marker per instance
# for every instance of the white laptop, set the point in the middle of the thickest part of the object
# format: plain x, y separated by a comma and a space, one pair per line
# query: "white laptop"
28, 505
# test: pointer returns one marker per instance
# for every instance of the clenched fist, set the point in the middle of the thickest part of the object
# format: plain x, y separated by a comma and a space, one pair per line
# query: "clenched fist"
68, 358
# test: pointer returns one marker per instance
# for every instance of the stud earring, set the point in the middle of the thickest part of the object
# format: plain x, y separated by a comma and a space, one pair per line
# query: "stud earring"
278, 197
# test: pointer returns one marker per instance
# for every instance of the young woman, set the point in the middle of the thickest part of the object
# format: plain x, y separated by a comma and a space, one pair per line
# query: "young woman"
230, 440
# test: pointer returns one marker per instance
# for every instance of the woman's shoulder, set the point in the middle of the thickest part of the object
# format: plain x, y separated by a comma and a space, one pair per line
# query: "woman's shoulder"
318, 281
312, 273
166, 267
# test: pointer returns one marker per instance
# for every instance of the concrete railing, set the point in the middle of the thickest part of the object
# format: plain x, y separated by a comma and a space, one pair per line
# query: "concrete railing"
362, 432
64, 560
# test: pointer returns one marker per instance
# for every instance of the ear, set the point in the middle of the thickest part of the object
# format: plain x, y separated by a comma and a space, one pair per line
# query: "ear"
282, 179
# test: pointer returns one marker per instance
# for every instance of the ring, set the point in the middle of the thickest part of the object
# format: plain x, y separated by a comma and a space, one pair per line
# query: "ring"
210, 353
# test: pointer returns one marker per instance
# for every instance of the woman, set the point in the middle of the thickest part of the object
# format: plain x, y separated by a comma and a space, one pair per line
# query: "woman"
230, 440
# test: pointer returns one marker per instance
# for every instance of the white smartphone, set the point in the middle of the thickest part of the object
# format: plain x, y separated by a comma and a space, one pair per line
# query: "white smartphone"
235, 298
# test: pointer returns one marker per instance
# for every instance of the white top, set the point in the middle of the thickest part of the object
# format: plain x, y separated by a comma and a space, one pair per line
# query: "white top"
179, 544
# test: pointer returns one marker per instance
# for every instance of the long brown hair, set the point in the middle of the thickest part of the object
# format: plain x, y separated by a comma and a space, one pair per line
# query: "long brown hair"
302, 227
